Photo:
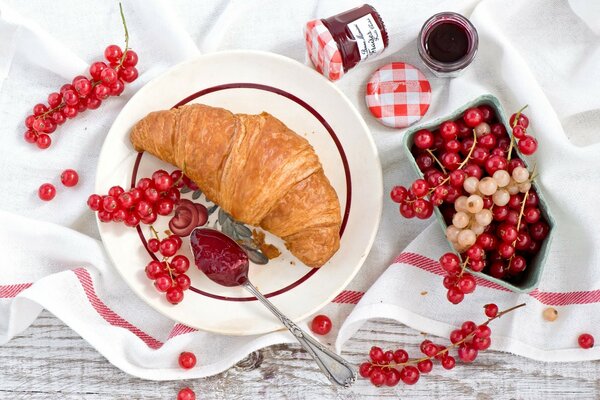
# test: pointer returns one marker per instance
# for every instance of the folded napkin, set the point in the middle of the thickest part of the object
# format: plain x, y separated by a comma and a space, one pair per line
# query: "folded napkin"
54, 260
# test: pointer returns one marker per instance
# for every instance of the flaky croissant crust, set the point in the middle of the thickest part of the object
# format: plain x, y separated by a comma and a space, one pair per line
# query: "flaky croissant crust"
255, 168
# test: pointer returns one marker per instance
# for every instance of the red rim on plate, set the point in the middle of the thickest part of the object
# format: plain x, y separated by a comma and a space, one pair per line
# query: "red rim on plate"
323, 122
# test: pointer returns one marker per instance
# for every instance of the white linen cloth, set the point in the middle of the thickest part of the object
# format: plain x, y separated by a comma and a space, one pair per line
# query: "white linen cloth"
539, 53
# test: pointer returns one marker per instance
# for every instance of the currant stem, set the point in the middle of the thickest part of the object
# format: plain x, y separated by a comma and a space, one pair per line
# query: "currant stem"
451, 346
58, 107
512, 139
470, 151
126, 36
437, 161
522, 210
154, 232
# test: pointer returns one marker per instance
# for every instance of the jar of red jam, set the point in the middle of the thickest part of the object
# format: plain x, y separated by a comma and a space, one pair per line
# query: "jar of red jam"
337, 44
448, 43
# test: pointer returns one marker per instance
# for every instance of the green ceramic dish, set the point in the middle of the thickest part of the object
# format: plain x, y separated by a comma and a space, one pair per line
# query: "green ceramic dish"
531, 277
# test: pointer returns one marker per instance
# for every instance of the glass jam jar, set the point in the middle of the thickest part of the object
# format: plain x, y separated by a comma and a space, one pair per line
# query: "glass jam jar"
337, 44
448, 43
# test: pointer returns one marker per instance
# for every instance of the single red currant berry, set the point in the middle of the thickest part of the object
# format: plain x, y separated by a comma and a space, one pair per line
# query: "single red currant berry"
475, 253
30, 136
399, 194
143, 209
69, 177
448, 130
187, 360
481, 343
423, 208
448, 362
522, 121
94, 202
495, 163
365, 369
70, 112
473, 117
467, 353
528, 145
47, 191
183, 281
154, 269
128, 74
467, 284
423, 139
456, 336
82, 86
167, 247
165, 206
117, 87
586, 341
177, 240
96, 69
400, 356
388, 356
468, 327
101, 91
186, 394
457, 178
39, 109
153, 245
113, 53
180, 263
455, 295
539, 231
108, 75
392, 377
406, 210
425, 366
93, 103
163, 282
376, 354
517, 265
29, 121
409, 375
43, 141
119, 215
54, 99
377, 377
321, 325
506, 250
491, 310
450, 263
519, 132
132, 220
483, 331
131, 59
104, 216
450, 160
163, 182
109, 204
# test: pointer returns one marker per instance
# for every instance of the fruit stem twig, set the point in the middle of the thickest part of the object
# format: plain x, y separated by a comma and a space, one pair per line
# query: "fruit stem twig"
126, 36
470, 151
453, 345
437, 161
154, 232
522, 210
512, 138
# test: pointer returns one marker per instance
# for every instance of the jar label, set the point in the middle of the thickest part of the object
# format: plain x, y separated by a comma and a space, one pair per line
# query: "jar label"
368, 36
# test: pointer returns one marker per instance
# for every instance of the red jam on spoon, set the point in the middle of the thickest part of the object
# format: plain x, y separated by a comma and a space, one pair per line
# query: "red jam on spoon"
219, 257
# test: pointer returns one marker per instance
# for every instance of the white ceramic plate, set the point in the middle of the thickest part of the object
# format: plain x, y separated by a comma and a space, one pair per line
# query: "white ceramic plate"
252, 82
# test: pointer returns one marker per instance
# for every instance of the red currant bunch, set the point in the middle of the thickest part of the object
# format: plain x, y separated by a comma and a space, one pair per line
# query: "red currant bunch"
519, 122
169, 275
392, 366
83, 92
484, 194
151, 197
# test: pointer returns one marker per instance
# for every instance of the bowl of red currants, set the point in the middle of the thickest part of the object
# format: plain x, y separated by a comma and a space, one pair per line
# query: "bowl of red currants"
475, 176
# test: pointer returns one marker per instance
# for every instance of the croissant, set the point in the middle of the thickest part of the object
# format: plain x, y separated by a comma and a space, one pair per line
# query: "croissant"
255, 168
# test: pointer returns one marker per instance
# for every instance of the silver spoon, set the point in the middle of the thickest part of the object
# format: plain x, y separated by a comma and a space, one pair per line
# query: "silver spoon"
226, 263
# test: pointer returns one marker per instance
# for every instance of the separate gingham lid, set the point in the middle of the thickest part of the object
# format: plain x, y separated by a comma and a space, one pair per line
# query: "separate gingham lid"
323, 50
398, 95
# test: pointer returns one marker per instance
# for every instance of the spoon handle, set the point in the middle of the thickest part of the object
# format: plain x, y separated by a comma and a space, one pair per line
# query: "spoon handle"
338, 370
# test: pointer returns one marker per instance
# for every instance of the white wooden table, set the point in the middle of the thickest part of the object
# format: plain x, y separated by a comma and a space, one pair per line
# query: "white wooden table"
50, 361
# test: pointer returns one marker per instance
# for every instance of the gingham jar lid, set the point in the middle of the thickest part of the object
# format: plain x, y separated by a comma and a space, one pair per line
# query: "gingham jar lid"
323, 50
398, 95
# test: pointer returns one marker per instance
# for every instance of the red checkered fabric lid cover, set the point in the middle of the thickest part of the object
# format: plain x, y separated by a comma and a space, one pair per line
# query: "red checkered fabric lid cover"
323, 50
398, 95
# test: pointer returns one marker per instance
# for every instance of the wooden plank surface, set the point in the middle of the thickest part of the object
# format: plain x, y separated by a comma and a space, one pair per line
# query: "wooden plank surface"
49, 361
